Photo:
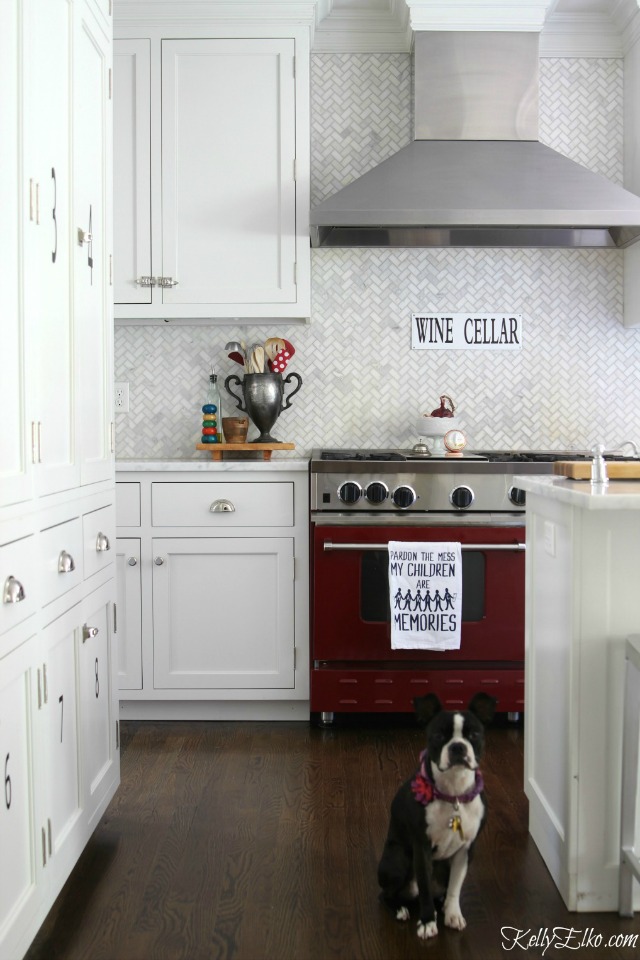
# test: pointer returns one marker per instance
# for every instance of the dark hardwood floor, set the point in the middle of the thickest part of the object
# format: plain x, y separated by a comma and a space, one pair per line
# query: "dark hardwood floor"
259, 841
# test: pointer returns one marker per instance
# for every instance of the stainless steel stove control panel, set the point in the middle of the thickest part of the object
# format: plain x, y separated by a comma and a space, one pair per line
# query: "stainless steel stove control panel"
414, 491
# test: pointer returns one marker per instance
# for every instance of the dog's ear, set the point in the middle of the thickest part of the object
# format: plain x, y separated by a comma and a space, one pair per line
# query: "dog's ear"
426, 708
483, 706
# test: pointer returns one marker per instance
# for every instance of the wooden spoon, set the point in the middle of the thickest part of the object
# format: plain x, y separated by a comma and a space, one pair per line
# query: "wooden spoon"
273, 346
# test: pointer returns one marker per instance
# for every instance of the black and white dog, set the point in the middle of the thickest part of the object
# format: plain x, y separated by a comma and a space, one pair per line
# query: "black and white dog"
437, 815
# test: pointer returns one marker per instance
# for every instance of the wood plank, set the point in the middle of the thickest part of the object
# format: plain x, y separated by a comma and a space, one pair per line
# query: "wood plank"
581, 469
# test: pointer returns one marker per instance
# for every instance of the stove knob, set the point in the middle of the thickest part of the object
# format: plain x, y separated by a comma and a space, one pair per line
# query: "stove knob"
462, 497
404, 497
377, 492
517, 496
349, 492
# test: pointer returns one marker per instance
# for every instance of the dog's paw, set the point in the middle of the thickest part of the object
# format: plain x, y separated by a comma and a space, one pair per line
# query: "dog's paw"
427, 930
402, 913
454, 919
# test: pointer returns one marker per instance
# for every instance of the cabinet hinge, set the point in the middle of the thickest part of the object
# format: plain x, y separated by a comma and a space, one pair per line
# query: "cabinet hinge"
115, 618
293, 62
113, 436
110, 84
295, 170
295, 656
39, 690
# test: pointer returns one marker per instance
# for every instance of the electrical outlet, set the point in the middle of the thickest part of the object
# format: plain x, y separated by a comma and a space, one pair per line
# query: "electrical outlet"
121, 397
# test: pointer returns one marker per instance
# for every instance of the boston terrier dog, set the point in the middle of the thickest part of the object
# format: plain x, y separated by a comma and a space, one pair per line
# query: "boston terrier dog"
437, 815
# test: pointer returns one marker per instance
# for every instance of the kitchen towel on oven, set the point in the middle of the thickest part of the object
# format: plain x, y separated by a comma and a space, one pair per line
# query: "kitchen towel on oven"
425, 595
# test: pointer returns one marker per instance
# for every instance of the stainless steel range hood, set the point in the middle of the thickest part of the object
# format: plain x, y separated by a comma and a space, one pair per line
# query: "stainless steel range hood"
476, 174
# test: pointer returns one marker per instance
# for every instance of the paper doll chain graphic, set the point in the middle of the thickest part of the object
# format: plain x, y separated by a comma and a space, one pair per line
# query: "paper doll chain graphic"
424, 601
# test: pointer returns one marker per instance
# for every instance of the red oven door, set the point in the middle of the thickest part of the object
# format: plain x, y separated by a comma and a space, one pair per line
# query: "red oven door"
351, 619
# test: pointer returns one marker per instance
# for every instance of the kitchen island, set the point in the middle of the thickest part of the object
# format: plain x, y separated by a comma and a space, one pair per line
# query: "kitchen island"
213, 589
582, 601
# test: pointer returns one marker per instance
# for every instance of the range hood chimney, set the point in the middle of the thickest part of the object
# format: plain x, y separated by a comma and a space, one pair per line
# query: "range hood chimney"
475, 174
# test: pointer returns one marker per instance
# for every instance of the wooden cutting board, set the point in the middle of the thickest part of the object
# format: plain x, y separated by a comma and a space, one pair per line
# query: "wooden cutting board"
581, 469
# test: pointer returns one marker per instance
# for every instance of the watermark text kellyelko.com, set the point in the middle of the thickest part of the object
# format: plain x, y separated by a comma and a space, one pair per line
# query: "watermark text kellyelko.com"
564, 938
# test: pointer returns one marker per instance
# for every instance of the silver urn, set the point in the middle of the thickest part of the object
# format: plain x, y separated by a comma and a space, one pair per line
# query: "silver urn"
264, 399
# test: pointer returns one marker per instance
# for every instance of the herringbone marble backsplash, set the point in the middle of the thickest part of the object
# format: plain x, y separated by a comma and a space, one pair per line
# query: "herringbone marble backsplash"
574, 382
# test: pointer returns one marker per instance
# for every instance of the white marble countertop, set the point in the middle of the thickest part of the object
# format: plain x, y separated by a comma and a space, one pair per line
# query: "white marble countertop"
211, 466
615, 495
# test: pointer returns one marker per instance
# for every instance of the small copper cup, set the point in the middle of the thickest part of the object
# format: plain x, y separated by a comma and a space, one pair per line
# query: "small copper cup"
235, 429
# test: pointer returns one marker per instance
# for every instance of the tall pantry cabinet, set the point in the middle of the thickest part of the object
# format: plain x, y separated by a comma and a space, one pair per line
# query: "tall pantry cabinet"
59, 737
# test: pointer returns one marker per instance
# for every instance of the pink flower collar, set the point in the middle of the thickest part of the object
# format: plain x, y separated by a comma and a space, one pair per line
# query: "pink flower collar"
425, 790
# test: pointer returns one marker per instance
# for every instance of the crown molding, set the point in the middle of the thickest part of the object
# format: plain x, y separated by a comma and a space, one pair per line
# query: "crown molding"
158, 11
499, 15
580, 35
383, 28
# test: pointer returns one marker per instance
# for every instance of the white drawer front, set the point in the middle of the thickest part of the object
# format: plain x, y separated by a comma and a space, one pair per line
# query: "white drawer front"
128, 504
18, 576
99, 539
222, 505
61, 560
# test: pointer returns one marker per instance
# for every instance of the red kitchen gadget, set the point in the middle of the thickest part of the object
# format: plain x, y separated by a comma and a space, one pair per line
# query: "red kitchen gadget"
282, 358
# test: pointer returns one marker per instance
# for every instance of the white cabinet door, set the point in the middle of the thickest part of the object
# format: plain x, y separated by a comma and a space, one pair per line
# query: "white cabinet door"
132, 170
15, 451
223, 613
47, 269
97, 682
22, 856
60, 806
229, 205
228, 188
91, 123
129, 619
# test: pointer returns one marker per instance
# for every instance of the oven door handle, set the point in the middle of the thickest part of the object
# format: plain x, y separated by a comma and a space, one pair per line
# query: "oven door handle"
329, 545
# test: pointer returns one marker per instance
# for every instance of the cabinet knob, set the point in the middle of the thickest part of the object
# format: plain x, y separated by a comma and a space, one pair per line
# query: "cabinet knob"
222, 506
158, 561
132, 561
88, 632
13, 591
102, 543
66, 563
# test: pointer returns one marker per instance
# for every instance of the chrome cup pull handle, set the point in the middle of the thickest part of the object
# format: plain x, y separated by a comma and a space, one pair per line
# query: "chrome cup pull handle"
66, 563
88, 632
102, 543
222, 506
13, 591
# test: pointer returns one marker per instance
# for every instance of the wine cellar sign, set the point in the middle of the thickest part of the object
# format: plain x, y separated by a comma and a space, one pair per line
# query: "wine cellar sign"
466, 331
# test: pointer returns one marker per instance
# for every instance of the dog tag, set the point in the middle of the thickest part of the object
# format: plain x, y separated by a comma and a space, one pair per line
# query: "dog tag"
455, 824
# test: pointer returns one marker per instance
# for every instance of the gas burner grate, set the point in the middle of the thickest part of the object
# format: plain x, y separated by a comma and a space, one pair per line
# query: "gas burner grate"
341, 455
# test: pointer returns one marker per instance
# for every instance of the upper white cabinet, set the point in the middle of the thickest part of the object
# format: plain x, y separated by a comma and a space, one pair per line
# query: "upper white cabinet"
56, 377
211, 180
92, 229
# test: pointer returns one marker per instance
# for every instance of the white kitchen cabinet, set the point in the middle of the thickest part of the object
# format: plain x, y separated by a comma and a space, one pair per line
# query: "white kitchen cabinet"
19, 891
92, 246
98, 685
60, 800
129, 613
223, 580
48, 318
583, 546
212, 193
245, 637
56, 463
